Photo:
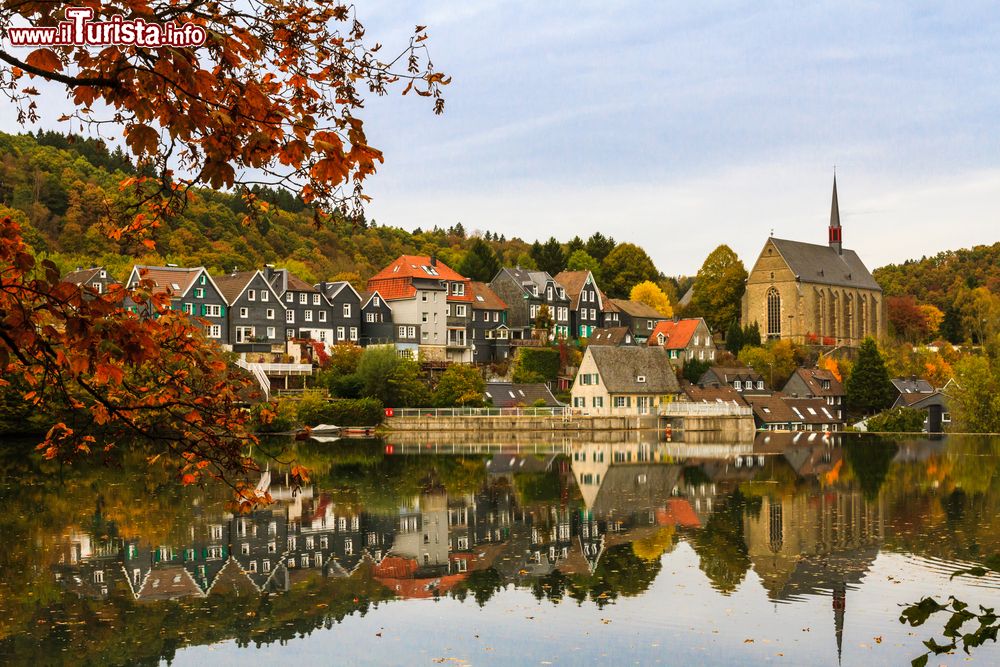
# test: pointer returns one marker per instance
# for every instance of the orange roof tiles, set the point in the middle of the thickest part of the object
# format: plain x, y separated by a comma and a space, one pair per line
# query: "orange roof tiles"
396, 280
677, 334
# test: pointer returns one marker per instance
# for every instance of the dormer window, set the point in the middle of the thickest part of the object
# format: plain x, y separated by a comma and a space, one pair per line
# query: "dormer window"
458, 289
534, 290
548, 294
640, 379
760, 384
825, 384
661, 339
737, 385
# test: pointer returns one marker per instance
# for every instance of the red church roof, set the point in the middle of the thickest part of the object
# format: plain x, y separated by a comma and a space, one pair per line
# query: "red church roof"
677, 334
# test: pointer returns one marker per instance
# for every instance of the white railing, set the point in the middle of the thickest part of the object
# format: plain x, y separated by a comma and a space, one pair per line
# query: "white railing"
285, 369
258, 373
685, 409
481, 412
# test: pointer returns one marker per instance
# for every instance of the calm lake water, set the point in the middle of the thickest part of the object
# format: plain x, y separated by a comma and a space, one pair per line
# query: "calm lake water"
785, 550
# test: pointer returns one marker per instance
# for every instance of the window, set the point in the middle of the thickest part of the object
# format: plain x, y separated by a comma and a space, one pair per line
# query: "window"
353, 333
738, 385
244, 313
308, 316
340, 333
548, 293
579, 402
322, 316
289, 334
649, 324
188, 308
245, 548
290, 298
202, 280
266, 566
370, 317
760, 384
460, 311
447, 310
598, 401
315, 299
303, 298
215, 532
199, 292
244, 334
270, 313
271, 333
377, 301
215, 331
402, 332
290, 316
641, 379
621, 401
251, 295
458, 289
411, 332
264, 295
213, 311
423, 296
593, 315
773, 313
347, 310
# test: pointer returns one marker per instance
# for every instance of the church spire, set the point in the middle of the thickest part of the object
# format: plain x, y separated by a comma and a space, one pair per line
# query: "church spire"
835, 233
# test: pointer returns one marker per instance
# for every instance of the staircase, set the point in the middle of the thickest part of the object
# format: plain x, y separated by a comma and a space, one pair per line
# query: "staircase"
257, 371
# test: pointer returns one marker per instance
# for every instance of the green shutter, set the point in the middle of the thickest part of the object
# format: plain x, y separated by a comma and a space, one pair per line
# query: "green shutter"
222, 310
202, 306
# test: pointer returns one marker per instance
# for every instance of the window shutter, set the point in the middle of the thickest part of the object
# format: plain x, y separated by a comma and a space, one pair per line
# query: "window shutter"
222, 311
202, 307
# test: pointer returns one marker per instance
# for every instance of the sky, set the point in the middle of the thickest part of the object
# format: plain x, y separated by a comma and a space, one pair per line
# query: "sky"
680, 126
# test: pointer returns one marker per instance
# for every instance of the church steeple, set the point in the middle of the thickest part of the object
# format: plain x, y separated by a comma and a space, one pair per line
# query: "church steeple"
836, 241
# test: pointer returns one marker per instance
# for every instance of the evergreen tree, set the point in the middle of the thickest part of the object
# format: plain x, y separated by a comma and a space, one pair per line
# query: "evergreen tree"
599, 246
869, 389
751, 335
480, 263
549, 256
575, 243
734, 338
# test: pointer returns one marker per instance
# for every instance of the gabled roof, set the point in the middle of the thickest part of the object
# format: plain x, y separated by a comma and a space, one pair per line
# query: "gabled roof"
232, 285
483, 298
771, 409
677, 333
367, 296
813, 263
573, 282
174, 279
621, 367
636, 309
83, 276
526, 279
296, 284
814, 378
331, 290
611, 336
811, 410
509, 394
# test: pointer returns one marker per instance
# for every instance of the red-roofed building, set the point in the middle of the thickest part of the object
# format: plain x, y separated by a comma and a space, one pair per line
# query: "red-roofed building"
684, 340
428, 294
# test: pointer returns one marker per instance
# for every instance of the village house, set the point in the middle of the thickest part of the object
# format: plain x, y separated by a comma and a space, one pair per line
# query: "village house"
818, 383
777, 412
612, 336
95, 278
586, 302
345, 310
638, 317
919, 394
624, 381
743, 379
191, 291
684, 340
426, 293
307, 312
525, 292
721, 394
488, 328
377, 327
256, 315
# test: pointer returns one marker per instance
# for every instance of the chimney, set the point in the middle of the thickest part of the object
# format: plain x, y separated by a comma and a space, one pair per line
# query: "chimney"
268, 272
434, 260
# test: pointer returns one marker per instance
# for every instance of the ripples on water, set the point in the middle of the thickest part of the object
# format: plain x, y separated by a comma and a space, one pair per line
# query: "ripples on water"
784, 549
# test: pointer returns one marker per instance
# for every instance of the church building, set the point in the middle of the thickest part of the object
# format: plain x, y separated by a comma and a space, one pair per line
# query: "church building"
814, 294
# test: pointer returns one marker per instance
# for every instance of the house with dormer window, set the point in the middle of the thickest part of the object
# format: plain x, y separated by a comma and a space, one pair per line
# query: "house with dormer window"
525, 292
488, 329
256, 313
684, 340
345, 310
432, 298
376, 320
308, 314
191, 291
95, 279
627, 380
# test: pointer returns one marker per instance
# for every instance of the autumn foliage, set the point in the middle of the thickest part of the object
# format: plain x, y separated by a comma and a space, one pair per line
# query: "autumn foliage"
113, 376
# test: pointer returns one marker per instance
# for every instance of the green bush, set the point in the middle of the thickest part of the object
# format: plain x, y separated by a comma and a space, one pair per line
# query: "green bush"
536, 364
898, 420
284, 420
355, 412
311, 408
460, 386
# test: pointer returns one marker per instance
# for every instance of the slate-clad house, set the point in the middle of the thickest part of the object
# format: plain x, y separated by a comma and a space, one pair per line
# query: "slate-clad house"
345, 310
586, 302
256, 314
684, 340
488, 328
777, 412
638, 317
743, 379
525, 292
95, 278
624, 380
192, 291
307, 312
818, 383
513, 395
376, 321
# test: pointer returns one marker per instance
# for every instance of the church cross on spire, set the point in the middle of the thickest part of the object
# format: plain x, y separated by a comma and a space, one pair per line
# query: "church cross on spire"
836, 240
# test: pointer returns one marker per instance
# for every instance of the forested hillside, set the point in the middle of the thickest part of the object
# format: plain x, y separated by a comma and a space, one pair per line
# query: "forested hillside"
59, 187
